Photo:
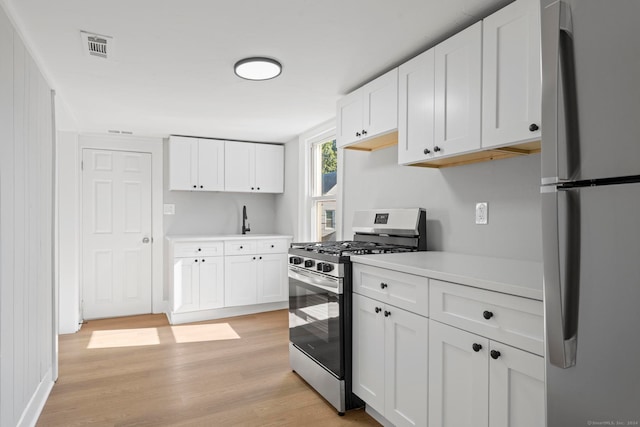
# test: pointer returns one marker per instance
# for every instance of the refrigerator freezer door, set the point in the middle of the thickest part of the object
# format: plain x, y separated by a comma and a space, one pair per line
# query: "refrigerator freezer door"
604, 49
604, 384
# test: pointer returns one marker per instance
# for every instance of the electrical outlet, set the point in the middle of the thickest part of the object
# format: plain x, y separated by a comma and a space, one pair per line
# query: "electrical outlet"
169, 209
482, 213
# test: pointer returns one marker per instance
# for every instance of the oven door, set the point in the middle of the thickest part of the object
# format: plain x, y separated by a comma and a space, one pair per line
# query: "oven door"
316, 318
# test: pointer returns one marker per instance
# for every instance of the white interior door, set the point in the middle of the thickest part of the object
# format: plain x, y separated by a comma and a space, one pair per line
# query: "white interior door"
116, 233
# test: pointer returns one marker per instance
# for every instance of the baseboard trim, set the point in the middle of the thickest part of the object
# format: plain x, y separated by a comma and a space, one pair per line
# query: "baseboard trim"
35, 406
221, 313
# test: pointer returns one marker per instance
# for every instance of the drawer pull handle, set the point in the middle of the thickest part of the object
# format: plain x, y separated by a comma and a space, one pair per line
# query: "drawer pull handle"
378, 309
495, 354
476, 347
383, 285
387, 313
487, 314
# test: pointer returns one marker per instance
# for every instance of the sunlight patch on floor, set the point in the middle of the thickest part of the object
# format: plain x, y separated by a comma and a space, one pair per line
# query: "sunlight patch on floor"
124, 338
202, 333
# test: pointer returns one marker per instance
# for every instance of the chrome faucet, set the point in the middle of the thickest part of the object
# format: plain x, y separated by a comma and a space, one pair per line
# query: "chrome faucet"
245, 228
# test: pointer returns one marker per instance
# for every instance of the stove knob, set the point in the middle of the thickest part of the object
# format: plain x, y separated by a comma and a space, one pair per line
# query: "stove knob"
309, 263
319, 266
327, 268
295, 260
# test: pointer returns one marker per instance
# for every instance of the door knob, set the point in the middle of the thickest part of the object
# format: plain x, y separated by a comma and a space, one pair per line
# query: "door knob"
145, 240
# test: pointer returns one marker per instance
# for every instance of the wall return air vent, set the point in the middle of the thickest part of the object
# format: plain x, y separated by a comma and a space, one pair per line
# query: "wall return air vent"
97, 45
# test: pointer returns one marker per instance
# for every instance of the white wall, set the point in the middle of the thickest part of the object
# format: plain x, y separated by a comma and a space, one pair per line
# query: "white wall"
27, 339
510, 186
287, 204
68, 182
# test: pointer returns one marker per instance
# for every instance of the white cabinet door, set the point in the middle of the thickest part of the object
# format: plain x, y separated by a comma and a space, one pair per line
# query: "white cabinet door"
380, 105
368, 351
516, 380
349, 119
211, 282
272, 279
415, 108
183, 155
239, 166
511, 75
458, 377
186, 277
458, 81
406, 367
210, 165
269, 168
240, 280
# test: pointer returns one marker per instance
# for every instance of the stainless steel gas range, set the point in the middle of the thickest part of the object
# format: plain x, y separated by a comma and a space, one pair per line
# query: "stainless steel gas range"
320, 297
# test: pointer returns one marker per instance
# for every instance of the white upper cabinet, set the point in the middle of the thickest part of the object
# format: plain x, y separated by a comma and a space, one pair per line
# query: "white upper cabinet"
252, 167
511, 82
415, 108
458, 85
196, 164
368, 112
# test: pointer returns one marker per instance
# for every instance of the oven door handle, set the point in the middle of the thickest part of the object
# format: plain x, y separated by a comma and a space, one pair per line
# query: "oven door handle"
330, 285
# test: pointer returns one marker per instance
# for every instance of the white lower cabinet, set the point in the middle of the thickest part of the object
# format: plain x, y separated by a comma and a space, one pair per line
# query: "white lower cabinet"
219, 278
390, 347
255, 279
198, 283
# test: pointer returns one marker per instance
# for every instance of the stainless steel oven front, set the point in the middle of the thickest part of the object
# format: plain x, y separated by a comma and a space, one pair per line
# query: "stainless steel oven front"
316, 318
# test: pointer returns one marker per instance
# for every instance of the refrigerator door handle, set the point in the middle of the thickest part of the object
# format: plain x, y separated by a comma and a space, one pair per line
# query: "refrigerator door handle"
559, 107
560, 312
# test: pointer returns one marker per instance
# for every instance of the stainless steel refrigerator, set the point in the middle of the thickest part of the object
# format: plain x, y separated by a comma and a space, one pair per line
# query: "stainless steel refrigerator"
591, 210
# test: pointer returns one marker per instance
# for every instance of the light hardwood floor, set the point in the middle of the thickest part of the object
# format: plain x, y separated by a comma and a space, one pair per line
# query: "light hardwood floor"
140, 371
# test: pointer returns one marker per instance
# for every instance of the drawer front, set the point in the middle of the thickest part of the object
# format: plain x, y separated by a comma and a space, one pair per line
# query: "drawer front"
506, 318
275, 246
402, 290
186, 250
239, 247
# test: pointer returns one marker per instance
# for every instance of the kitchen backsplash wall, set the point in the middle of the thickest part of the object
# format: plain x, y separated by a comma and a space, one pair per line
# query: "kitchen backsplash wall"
216, 212
510, 186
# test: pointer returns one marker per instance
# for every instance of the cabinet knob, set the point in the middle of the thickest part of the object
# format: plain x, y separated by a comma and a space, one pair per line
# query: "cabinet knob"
495, 354
387, 313
195, 186
358, 134
202, 186
487, 314
427, 151
533, 127
196, 260
476, 347
260, 257
383, 285
241, 247
436, 149
258, 188
254, 257
364, 132
199, 249
202, 260
252, 188
378, 309
272, 246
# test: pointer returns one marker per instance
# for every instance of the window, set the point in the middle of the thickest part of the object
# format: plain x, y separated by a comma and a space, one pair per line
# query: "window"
324, 180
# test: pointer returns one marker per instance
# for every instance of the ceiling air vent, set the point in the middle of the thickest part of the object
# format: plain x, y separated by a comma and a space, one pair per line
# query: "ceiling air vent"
97, 45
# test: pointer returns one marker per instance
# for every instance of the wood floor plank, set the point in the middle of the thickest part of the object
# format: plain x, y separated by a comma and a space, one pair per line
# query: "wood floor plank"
141, 371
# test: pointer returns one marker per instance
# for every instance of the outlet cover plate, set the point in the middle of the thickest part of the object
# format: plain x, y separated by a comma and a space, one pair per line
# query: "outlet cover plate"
482, 213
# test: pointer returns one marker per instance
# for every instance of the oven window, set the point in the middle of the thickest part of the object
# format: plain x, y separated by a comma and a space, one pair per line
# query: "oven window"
315, 324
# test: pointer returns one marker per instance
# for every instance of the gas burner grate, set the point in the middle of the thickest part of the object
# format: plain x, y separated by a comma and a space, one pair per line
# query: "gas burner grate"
348, 247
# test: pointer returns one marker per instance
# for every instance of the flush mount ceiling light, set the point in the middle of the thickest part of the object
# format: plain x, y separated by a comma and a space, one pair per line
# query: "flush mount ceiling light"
257, 68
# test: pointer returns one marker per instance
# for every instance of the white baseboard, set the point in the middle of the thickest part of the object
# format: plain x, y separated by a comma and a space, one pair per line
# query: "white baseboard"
220, 313
34, 408
377, 416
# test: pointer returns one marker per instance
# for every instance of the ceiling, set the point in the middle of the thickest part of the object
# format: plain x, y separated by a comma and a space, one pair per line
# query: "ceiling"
172, 66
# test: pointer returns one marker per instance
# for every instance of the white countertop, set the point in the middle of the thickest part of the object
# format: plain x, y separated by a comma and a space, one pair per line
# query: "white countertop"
202, 237
521, 278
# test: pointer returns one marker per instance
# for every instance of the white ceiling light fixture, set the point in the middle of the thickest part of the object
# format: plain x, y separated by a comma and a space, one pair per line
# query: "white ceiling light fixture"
257, 68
